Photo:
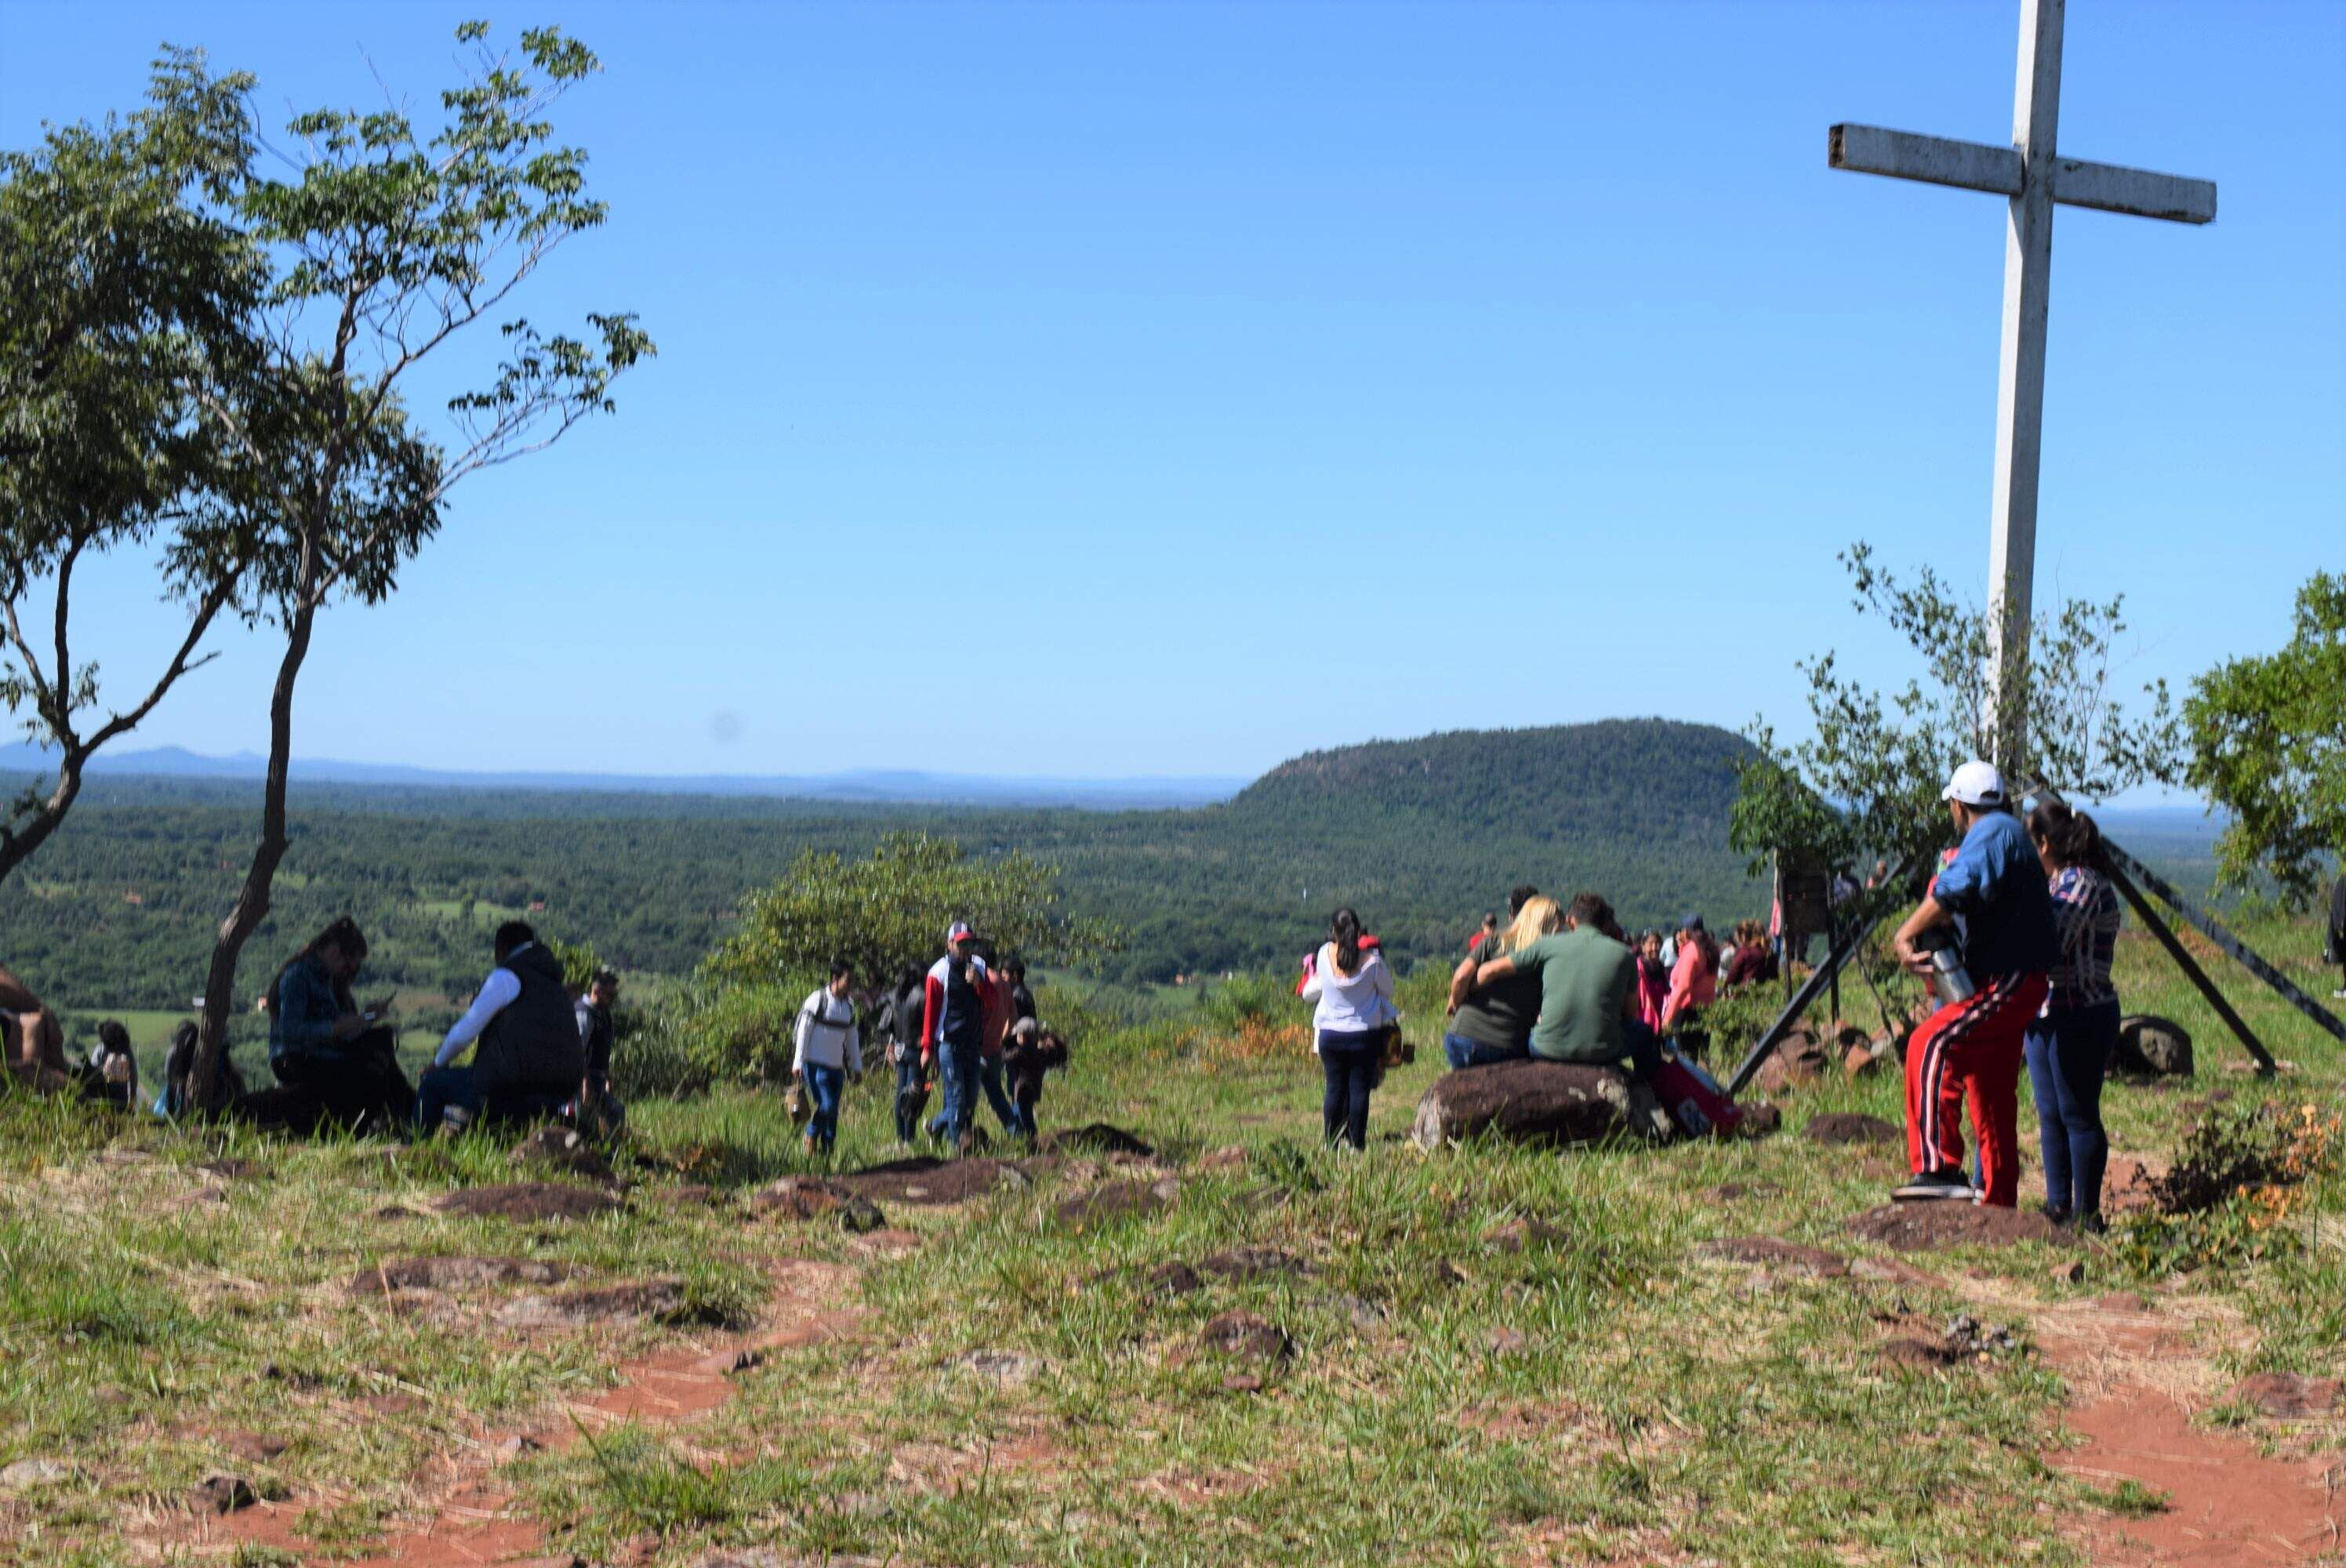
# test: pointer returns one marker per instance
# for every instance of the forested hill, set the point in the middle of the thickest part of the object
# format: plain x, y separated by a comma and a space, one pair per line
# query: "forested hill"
1622, 779
1422, 836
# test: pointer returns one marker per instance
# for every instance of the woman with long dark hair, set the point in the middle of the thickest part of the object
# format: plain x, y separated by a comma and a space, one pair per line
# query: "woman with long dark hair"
326, 1047
2069, 1047
1355, 991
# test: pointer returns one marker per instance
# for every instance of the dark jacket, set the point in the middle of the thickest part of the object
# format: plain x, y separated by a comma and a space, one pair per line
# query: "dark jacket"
301, 1014
595, 1039
532, 1045
2335, 948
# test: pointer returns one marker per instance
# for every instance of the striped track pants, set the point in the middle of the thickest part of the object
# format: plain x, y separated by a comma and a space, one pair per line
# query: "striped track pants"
1971, 1050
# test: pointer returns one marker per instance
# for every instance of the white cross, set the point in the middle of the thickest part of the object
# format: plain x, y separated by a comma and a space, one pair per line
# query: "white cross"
2034, 176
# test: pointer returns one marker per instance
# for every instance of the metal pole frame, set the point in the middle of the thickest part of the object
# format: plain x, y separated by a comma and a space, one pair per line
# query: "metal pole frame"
1850, 938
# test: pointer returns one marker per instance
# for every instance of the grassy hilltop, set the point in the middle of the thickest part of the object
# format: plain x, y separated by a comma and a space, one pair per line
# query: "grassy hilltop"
1481, 1356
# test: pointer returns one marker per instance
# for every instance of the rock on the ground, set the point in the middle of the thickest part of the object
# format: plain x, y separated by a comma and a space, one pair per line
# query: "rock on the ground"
799, 1198
1253, 1263
229, 1169
221, 1494
562, 1148
2129, 1185
1917, 1355
1229, 1157
1097, 1139
1117, 1200
2289, 1395
657, 1300
1798, 1059
1531, 1102
260, 1448
1859, 1061
39, 1471
1247, 1335
1174, 1279
1929, 1225
925, 1180
1758, 1120
452, 1274
1524, 1234
1006, 1369
1776, 1254
1848, 1127
2152, 1047
528, 1201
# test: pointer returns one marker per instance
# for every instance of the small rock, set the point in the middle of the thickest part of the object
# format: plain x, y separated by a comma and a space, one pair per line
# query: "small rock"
1841, 1127
2288, 1395
1362, 1312
1174, 1278
797, 1198
1861, 1061
683, 1196
1098, 1138
1245, 1263
1918, 1355
229, 1169
562, 1148
1245, 1334
260, 1448
1006, 1369
528, 1201
203, 1197
1444, 1274
659, 1300
454, 1273
1759, 1121
1242, 1383
221, 1494
1229, 1157
1887, 1271
860, 1216
1524, 1234
512, 1447
1116, 1200
2151, 1047
27, 1473
1509, 1341
2122, 1302
745, 1360
1776, 1254
2070, 1273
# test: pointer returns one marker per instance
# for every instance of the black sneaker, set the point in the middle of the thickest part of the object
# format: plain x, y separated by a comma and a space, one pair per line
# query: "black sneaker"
1933, 1185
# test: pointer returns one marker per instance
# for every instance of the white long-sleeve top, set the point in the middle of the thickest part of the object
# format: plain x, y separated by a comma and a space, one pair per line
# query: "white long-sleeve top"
827, 1035
1349, 1004
499, 991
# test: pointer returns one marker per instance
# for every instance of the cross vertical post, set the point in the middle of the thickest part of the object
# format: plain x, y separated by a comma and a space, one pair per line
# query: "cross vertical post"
2020, 383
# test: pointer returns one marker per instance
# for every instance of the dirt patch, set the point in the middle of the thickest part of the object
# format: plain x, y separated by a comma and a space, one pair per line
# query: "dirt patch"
924, 1179
1929, 1226
452, 1274
1246, 1336
530, 1202
1777, 1255
1248, 1263
1117, 1200
654, 1300
1841, 1127
1917, 1355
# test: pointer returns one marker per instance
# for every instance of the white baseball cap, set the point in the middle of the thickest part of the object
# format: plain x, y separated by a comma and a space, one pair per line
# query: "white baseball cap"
1975, 783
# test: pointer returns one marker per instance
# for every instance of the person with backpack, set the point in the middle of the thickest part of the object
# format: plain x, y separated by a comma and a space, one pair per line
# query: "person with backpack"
338, 1060
899, 1029
952, 1031
1353, 991
827, 1053
1032, 1051
2068, 1046
1985, 935
528, 1058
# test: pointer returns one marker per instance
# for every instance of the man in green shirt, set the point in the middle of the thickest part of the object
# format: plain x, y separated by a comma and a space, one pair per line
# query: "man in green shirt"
1589, 1008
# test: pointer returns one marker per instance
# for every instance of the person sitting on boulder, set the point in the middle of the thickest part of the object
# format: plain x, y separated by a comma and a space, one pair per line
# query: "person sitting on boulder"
112, 1075
598, 1110
528, 1058
1033, 1050
336, 1056
1492, 1022
1588, 1004
32, 1040
1992, 897
827, 1052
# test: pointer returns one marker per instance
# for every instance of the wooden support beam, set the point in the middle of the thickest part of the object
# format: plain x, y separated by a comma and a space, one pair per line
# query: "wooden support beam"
2191, 969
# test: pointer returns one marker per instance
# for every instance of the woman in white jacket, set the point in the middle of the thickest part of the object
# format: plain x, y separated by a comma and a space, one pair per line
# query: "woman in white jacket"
828, 1051
1355, 991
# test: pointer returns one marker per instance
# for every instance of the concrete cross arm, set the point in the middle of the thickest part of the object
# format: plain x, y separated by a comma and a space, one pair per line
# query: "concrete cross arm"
1975, 165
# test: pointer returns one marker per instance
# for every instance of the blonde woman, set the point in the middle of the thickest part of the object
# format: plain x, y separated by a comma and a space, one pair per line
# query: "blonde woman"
1493, 1023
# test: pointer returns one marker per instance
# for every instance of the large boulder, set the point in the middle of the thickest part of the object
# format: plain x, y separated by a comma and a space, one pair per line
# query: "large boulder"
2152, 1047
1798, 1059
1530, 1101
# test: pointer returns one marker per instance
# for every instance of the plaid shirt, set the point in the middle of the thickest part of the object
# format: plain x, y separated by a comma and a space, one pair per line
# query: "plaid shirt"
2087, 916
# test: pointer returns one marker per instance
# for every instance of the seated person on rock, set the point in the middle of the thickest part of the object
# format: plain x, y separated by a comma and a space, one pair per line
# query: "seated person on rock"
112, 1074
327, 1049
32, 1040
1588, 1003
1492, 1022
528, 1058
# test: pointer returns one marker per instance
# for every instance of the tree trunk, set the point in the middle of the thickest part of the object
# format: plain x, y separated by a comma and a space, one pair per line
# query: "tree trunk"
252, 899
17, 844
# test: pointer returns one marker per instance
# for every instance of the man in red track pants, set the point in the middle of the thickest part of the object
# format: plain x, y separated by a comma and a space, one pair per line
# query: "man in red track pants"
1993, 894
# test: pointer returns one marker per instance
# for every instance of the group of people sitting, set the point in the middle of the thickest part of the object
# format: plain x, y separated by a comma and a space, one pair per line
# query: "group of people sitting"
2016, 934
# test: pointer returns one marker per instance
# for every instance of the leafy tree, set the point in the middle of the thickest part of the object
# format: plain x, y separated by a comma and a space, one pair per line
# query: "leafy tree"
1882, 758
392, 241
2269, 745
122, 292
892, 908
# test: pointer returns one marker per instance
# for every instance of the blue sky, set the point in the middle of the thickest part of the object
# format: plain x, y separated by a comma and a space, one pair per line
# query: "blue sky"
1106, 390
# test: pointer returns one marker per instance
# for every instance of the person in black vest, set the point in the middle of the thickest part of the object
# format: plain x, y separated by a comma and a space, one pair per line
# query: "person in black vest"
528, 1059
598, 1108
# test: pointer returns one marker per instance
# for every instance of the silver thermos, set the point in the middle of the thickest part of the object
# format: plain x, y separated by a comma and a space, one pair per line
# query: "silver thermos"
1948, 976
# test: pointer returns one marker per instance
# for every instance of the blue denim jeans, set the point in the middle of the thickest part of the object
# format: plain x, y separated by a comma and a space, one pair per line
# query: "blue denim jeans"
989, 1077
1464, 1052
908, 1095
957, 1076
2068, 1052
440, 1087
823, 1086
